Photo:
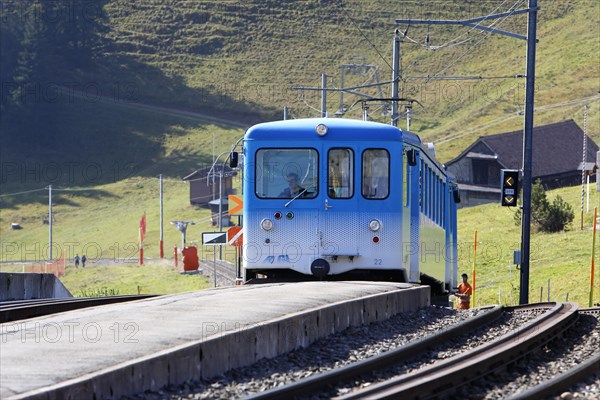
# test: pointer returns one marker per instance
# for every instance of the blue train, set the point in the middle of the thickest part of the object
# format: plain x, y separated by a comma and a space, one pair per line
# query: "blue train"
346, 199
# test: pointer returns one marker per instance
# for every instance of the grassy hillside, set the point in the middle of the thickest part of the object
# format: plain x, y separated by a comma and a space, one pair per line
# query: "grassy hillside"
564, 258
99, 200
246, 55
239, 61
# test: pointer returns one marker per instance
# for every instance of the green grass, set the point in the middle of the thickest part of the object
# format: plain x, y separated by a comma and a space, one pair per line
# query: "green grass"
103, 222
112, 279
151, 278
564, 257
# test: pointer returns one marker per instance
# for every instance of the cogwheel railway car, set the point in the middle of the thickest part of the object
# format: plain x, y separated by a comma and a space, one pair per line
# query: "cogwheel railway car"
343, 199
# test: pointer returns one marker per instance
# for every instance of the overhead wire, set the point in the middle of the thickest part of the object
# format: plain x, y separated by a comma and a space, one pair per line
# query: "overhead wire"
365, 36
486, 34
23, 192
504, 119
481, 33
447, 44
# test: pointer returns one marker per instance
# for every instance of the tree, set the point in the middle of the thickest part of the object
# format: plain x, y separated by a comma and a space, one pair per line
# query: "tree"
547, 217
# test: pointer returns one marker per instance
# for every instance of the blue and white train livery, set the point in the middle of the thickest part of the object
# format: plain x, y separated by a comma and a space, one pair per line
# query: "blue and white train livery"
339, 198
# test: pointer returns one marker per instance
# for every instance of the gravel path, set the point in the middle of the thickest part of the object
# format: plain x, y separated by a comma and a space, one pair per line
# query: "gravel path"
344, 348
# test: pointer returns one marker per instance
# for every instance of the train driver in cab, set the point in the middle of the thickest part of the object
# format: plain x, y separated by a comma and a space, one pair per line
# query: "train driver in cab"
293, 189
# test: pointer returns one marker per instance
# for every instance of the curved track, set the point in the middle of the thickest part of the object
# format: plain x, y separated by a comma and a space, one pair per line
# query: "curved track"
442, 377
568, 378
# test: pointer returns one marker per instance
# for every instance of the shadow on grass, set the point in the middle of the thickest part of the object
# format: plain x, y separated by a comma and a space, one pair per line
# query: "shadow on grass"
106, 122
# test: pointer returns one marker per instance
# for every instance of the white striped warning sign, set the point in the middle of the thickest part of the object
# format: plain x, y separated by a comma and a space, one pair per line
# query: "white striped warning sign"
234, 236
214, 238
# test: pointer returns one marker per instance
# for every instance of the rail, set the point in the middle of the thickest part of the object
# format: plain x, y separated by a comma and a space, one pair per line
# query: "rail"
311, 384
523, 337
567, 378
443, 377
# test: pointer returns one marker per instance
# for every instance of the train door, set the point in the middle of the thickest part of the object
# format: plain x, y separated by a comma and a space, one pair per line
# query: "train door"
415, 186
357, 191
337, 211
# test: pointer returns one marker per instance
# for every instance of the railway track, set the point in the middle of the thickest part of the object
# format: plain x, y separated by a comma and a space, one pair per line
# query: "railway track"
23, 309
571, 377
445, 377
225, 272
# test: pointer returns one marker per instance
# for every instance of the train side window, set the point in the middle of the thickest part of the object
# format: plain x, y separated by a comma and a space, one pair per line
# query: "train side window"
340, 177
438, 203
405, 180
422, 187
428, 190
444, 194
436, 198
375, 174
430, 193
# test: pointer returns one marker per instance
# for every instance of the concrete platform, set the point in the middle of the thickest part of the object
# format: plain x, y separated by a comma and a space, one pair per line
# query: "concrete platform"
110, 351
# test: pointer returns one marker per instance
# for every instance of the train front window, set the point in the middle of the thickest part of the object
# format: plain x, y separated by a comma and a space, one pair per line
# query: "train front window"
340, 179
287, 173
375, 174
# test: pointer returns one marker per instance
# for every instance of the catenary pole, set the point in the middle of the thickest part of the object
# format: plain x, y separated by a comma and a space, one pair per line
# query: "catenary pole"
161, 244
324, 95
473, 23
395, 77
528, 152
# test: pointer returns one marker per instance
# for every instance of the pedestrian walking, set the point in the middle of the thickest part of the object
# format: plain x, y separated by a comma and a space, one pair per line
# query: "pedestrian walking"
76, 260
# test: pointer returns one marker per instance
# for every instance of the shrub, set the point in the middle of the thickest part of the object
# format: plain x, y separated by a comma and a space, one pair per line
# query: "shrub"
547, 217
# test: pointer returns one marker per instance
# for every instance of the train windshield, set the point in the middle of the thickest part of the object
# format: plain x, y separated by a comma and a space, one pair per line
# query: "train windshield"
287, 173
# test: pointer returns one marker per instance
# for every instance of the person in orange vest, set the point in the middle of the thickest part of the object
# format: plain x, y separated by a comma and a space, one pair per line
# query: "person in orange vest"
464, 293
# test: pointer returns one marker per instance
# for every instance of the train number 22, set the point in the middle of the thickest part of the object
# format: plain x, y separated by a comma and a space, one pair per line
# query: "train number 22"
378, 261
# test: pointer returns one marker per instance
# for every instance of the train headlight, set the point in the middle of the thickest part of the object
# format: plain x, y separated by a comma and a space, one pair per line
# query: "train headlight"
266, 224
375, 225
322, 129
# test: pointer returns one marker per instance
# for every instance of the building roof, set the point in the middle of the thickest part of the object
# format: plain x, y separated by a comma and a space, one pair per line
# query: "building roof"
557, 148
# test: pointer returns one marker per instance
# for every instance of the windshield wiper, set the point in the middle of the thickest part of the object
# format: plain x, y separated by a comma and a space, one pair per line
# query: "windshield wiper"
298, 195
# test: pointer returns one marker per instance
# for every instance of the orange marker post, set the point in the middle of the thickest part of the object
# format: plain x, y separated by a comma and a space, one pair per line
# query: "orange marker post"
593, 256
474, 272
175, 256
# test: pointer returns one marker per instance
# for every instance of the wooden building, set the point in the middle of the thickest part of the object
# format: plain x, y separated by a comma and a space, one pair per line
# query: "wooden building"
204, 185
557, 159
